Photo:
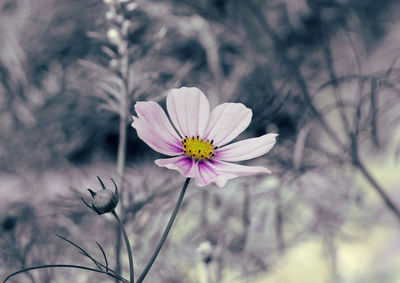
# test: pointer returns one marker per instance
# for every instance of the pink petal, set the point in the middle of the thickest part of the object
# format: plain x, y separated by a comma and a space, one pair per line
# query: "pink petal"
183, 164
189, 110
237, 169
207, 174
153, 127
246, 149
226, 122
220, 172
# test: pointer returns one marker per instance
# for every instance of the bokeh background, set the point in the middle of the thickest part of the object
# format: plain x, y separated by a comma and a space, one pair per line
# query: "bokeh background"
322, 73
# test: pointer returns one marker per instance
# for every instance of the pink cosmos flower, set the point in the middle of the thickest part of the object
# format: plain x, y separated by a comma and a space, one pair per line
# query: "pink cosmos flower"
199, 142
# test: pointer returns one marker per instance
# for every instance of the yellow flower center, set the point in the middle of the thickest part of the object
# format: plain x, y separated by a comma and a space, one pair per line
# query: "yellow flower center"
197, 148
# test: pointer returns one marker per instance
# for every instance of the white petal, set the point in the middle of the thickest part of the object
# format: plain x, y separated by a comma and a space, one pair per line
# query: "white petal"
219, 172
226, 122
189, 110
183, 164
237, 169
207, 174
246, 149
154, 128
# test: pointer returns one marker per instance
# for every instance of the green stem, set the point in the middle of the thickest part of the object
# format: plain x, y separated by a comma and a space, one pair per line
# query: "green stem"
63, 266
121, 149
128, 246
120, 171
165, 234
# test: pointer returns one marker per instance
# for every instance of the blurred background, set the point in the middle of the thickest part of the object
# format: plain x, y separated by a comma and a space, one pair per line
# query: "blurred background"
322, 73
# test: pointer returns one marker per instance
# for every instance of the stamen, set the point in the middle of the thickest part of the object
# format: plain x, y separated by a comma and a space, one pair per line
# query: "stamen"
198, 148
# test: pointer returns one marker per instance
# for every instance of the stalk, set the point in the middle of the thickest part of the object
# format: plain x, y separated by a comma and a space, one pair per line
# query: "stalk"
128, 246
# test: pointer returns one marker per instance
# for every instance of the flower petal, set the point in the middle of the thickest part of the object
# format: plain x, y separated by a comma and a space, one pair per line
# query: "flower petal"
153, 127
237, 169
207, 174
226, 122
220, 172
183, 164
246, 149
189, 110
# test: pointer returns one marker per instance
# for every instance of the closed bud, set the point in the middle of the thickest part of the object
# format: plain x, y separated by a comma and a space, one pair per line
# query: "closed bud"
104, 200
113, 64
110, 15
113, 36
131, 6
205, 249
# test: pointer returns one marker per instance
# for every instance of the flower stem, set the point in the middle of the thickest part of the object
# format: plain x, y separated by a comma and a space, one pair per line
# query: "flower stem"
165, 234
128, 246
121, 171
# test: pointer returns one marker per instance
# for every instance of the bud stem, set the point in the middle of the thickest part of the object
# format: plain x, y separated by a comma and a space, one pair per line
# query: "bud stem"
128, 246
165, 234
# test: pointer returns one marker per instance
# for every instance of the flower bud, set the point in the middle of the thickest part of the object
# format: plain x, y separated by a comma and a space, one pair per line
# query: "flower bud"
113, 36
113, 64
131, 6
103, 201
109, 15
205, 249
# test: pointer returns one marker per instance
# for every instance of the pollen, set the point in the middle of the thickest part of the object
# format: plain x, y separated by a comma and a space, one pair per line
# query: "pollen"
196, 148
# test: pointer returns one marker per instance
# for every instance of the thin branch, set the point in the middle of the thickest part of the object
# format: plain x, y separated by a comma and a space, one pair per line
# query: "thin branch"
84, 252
374, 112
389, 203
356, 57
104, 255
336, 86
64, 266
292, 67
